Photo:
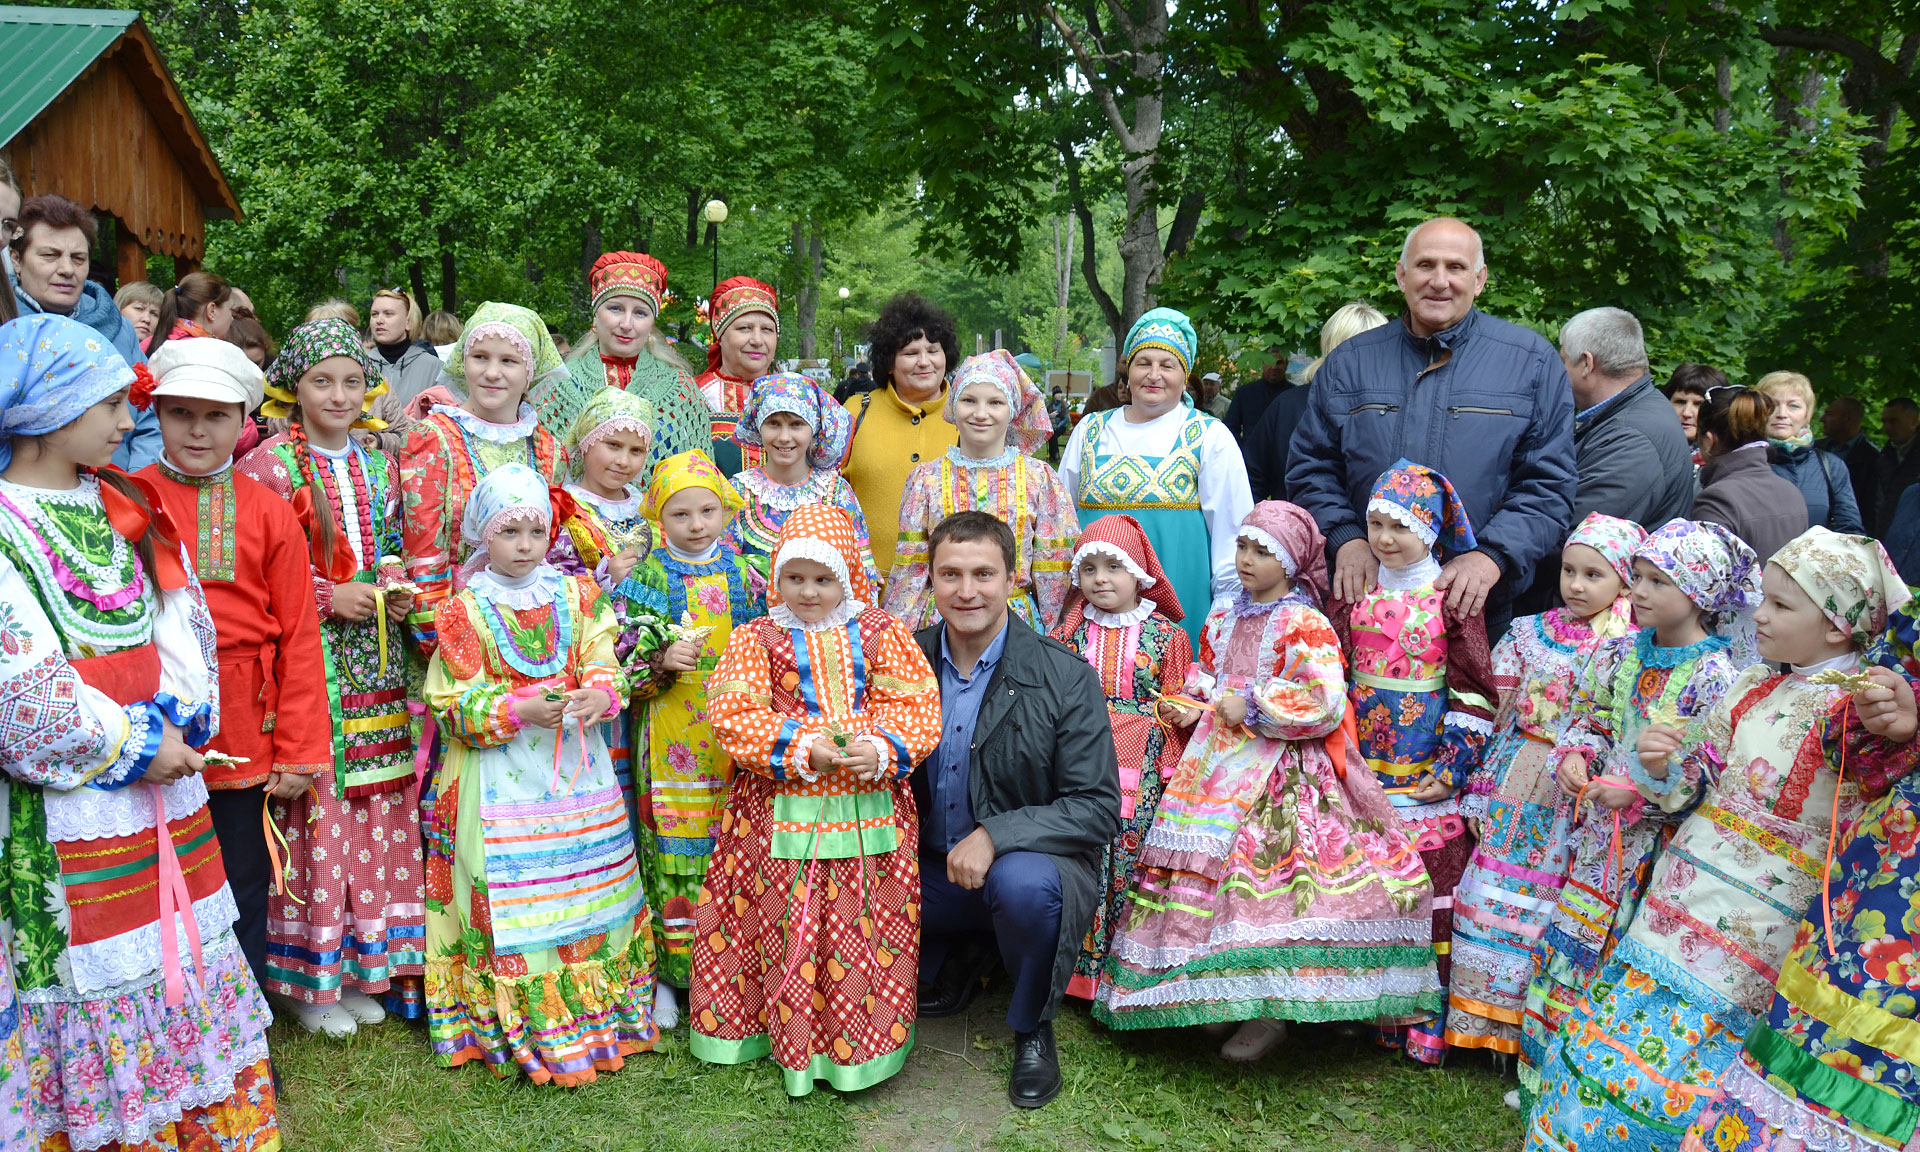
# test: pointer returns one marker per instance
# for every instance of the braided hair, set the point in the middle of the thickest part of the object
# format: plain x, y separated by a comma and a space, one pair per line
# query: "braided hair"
326, 533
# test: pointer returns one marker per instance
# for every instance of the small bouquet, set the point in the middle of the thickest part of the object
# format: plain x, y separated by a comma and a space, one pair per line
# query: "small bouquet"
1851, 681
687, 630
216, 759
397, 585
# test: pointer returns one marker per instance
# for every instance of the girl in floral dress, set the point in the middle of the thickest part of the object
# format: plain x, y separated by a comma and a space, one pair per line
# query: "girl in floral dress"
1422, 691
1276, 884
1697, 966
807, 941
1689, 579
348, 922
138, 1019
800, 435
684, 771
1122, 617
1507, 893
1832, 1068
1002, 418
537, 961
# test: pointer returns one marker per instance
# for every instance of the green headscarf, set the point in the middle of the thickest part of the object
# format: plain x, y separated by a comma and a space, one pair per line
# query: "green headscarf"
520, 326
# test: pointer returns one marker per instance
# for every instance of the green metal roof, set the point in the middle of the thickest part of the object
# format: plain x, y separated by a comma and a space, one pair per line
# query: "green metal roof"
43, 50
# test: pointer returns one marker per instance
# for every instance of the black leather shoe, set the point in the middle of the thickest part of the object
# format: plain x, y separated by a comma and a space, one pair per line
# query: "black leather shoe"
1036, 1068
958, 983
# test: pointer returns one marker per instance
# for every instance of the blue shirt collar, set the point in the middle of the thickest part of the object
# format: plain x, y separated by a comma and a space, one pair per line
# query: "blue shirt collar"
987, 659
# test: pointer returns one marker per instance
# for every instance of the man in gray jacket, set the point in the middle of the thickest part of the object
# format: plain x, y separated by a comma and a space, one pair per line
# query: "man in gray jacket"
1015, 804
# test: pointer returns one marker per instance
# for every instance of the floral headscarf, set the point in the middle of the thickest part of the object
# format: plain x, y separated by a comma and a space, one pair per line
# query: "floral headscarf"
508, 493
628, 274
685, 470
521, 328
1851, 578
1615, 539
610, 410
1289, 532
52, 369
1121, 537
1715, 568
1167, 330
792, 392
1031, 425
733, 299
306, 346
1423, 500
824, 535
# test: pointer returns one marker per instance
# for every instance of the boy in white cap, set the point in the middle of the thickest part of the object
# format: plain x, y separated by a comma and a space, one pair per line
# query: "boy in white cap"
254, 565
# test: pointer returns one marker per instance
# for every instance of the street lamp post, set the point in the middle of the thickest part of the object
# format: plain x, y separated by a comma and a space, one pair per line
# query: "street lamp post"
844, 293
715, 214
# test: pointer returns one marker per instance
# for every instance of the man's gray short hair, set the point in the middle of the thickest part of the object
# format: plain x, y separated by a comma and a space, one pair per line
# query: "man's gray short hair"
1612, 335
1479, 246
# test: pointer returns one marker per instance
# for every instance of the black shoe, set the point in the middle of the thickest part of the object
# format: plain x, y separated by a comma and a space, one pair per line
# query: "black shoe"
959, 981
1036, 1068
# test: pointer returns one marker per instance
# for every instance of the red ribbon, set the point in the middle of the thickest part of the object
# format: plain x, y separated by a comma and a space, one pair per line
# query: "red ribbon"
133, 523
174, 899
564, 507
339, 567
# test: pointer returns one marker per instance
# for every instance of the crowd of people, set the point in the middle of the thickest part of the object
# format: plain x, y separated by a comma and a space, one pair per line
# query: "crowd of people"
1474, 693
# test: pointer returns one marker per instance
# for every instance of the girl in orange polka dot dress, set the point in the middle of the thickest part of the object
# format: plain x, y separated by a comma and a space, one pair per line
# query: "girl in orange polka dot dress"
806, 937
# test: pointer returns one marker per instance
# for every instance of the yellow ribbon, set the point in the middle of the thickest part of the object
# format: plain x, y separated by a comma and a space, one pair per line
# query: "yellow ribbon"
1848, 1014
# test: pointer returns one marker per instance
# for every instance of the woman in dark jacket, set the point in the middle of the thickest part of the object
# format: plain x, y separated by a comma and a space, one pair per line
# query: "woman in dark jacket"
1822, 477
1737, 486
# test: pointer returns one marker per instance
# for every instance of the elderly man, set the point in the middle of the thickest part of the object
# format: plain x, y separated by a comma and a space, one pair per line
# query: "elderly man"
1841, 425
1482, 400
1015, 804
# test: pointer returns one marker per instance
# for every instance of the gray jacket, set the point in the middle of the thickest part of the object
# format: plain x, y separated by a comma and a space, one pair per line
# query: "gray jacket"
1741, 491
1634, 459
419, 369
1043, 776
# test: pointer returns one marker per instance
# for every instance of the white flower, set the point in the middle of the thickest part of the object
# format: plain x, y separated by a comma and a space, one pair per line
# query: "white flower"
56, 905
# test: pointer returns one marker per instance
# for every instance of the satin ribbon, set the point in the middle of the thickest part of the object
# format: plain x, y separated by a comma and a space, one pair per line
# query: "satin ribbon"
133, 522
1833, 832
276, 846
1613, 848
1179, 700
422, 755
541, 688
174, 899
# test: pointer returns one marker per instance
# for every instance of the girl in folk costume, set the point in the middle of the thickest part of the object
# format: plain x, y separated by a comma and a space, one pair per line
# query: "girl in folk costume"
1172, 467
1701, 957
1002, 418
691, 581
627, 353
1687, 577
504, 350
1276, 883
1507, 893
1832, 1067
745, 315
350, 923
806, 945
140, 1022
803, 434
1422, 690
251, 553
540, 960
1123, 618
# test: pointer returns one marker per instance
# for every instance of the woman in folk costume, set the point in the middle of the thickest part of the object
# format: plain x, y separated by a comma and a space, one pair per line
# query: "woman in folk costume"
1832, 1067
745, 317
1174, 468
628, 353
539, 942
1123, 616
1506, 895
801, 435
349, 924
807, 940
1698, 965
251, 553
1688, 578
683, 772
1002, 418
1276, 884
609, 446
1422, 689
504, 351
141, 1023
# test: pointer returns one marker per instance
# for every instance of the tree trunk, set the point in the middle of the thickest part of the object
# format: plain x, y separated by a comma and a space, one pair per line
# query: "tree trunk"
693, 217
1062, 286
449, 281
1723, 86
417, 279
806, 303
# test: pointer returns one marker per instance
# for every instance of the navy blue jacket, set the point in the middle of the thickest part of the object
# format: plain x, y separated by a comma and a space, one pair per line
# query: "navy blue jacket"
1824, 480
1496, 418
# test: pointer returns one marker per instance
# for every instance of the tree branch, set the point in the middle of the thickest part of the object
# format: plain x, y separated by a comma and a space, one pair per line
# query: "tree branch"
1863, 57
1101, 92
1124, 19
1089, 249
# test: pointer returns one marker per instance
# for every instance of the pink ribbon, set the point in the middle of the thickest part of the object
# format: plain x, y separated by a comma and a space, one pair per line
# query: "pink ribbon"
174, 899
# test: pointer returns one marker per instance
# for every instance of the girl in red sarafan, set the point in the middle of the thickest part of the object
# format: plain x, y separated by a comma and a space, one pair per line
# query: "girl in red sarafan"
806, 938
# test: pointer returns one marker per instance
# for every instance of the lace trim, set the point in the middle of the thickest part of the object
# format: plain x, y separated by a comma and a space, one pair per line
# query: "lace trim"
1503, 965
1279, 551
1468, 722
1114, 550
135, 753
86, 495
1816, 1132
536, 589
818, 551
961, 460
627, 509
1338, 986
91, 814
1426, 533
813, 490
134, 955
473, 425
1651, 655
1137, 615
838, 618
1239, 934
1419, 574
1845, 662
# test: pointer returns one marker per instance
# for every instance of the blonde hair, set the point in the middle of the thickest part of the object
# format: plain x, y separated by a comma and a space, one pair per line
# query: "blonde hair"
1349, 321
440, 327
1794, 383
334, 308
414, 320
138, 292
658, 347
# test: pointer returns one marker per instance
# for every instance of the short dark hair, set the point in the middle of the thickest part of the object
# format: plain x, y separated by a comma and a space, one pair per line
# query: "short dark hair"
966, 527
56, 212
1694, 379
1904, 403
904, 319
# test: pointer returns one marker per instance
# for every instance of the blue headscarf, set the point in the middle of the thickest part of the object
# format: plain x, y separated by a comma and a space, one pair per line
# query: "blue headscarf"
503, 494
1167, 330
52, 369
1423, 500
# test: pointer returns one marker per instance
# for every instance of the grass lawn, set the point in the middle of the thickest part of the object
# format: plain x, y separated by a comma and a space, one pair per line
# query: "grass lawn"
1152, 1090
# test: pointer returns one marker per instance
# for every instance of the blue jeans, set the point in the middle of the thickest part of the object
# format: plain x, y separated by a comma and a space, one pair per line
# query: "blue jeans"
1019, 907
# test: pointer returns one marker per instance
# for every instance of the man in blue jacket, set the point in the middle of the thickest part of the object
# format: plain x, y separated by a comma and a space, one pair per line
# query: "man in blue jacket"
1482, 400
